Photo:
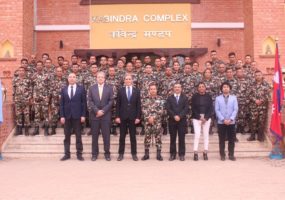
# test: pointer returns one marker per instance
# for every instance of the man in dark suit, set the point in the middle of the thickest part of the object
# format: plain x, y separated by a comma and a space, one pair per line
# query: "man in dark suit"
100, 101
128, 113
72, 114
177, 106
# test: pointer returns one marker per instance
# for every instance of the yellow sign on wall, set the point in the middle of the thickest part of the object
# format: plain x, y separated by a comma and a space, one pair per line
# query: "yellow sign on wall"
136, 26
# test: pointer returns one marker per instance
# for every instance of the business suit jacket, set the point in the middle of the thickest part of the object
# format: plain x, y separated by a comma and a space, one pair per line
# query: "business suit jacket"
128, 110
181, 109
73, 108
104, 104
226, 111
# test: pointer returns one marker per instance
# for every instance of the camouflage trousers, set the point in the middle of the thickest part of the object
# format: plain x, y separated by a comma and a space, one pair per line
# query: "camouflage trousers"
22, 113
41, 110
152, 130
258, 115
54, 111
242, 115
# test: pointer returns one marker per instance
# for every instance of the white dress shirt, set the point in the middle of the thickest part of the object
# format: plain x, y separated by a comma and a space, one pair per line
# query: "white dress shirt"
100, 88
69, 90
131, 90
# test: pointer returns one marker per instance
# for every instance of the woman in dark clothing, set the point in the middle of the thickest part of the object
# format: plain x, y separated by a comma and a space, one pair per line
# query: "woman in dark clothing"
202, 110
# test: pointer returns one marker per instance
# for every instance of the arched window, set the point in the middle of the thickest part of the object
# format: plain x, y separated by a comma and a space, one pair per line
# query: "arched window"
7, 49
268, 46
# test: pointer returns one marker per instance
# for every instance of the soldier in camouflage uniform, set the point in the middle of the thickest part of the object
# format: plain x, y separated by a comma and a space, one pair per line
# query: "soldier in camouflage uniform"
103, 67
196, 75
145, 80
56, 84
84, 70
232, 61
153, 109
215, 61
158, 69
259, 95
177, 71
220, 75
232, 81
25, 65
188, 83
120, 70
113, 81
166, 90
138, 68
80, 79
65, 70
22, 94
41, 97
48, 68
243, 100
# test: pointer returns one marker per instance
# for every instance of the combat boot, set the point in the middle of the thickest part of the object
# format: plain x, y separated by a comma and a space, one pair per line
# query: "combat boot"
26, 131
53, 130
46, 130
252, 137
146, 155
158, 155
36, 131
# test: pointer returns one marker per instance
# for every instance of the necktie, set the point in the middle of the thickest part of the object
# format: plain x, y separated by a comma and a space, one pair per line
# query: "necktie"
129, 94
177, 99
71, 92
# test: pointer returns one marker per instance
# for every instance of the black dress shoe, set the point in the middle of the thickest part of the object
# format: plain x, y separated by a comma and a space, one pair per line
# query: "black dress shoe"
135, 158
94, 158
205, 156
196, 158
232, 158
251, 138
80, 158
223, 158
172, 157
65, 158
181, 158
121, 157
107, 158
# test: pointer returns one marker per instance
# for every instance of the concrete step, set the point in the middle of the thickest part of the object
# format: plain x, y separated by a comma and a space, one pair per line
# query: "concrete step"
52, 146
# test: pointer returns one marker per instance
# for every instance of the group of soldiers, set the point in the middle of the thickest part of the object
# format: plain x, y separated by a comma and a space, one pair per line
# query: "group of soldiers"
37, 85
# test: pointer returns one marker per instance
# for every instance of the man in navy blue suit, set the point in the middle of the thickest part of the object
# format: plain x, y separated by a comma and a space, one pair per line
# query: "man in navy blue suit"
72, 114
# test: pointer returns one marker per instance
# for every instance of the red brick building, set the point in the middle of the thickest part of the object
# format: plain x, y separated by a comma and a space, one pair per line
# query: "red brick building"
37, 26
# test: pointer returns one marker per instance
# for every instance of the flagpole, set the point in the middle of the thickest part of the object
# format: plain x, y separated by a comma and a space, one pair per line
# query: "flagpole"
276, 116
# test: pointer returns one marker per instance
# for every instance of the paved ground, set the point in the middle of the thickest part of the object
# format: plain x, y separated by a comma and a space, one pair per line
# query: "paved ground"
51, 179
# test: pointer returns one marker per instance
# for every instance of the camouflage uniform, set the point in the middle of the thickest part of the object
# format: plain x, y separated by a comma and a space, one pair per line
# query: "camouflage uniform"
243, 101
235, 87
56, 85
188, 83
166, 90
197, 77
116, 85
258, 114
153, 107
41, 97
144, 83
22, 93
212, 87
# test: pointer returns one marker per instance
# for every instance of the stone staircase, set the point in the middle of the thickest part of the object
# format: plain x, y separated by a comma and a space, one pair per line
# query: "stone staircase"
52, 146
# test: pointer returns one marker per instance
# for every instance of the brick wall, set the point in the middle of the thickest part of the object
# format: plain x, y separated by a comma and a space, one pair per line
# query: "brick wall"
268, 20
208, 38
28, 27
49, 42
54, 12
